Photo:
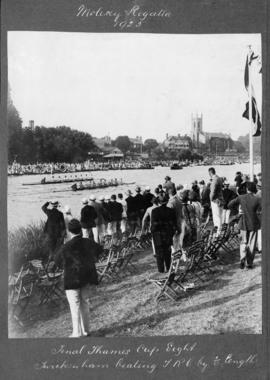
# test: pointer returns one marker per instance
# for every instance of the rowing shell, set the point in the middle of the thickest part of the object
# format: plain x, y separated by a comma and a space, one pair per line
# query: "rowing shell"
93, 188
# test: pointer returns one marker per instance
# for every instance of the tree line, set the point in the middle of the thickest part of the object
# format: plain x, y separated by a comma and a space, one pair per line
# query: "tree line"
42, 144
63, 144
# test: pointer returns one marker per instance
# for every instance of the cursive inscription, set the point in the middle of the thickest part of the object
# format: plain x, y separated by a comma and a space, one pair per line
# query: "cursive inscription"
133, 17
143, 357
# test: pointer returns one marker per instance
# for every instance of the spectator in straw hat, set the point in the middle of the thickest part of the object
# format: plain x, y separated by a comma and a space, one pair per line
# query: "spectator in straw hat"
147, 197
139, 205
67, 218
168, 184
77, 257
228, 195
55, 228
123, 225
132, 215
98, 229
176, 204
88, 216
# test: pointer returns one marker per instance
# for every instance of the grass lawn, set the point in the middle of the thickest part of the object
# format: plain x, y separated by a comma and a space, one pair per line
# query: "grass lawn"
127, 306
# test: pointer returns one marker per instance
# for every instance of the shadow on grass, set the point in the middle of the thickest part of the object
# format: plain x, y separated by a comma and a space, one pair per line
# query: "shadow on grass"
153, 320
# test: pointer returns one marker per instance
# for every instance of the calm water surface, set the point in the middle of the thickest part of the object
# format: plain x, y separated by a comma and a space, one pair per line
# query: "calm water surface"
24, 202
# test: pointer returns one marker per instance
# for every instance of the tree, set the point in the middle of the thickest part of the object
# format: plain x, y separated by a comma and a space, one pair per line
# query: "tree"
123, 143
149, 145
244, 140
158, 153
14, 132
239, 147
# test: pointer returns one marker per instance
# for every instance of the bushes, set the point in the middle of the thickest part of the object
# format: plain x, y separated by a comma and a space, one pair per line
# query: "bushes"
26, 243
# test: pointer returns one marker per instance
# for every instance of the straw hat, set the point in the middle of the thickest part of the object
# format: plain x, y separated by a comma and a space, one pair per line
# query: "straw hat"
67, 210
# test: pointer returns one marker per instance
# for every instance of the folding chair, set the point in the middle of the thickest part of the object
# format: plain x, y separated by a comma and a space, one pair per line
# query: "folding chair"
49, 281
165, 282
22, 291
103, 266
194, 254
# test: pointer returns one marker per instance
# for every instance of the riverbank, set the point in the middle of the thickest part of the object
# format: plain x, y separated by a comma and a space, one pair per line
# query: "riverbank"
128, 308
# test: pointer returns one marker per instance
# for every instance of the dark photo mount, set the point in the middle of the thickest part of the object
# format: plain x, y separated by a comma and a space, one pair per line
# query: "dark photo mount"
237, 356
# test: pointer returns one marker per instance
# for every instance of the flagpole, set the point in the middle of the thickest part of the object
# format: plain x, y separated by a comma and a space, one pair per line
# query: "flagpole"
251, 155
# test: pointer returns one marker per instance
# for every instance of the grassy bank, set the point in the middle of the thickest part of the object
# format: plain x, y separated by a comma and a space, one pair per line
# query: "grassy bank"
127, 307
26, 243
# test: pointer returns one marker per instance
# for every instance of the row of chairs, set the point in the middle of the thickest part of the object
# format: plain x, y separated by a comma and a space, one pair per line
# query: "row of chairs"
33, 275
196, 261
118, 254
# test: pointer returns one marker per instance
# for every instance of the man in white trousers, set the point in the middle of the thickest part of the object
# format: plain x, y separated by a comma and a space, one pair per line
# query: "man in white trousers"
216, 198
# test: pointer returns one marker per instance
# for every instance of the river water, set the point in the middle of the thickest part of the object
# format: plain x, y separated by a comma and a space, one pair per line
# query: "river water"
24, 202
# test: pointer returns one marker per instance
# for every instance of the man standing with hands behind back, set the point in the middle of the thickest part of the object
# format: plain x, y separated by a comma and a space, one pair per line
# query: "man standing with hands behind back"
77, 257
216, 199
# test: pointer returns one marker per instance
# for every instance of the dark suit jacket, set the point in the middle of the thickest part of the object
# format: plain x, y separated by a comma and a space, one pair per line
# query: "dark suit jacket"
205, 196
115, 210
88, 216
55, 224
131, 208
77, 257
228, 195
163, 225
250, 206
147, 197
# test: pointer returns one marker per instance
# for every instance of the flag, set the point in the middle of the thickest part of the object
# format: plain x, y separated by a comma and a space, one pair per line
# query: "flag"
255, 117
249, 87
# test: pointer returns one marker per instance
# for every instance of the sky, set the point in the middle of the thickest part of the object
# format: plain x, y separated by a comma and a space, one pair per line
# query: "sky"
131, 84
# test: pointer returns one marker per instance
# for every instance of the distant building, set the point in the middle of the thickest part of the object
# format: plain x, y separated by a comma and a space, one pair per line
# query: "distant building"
113, 152
31, 124
102, 142
136, 143
213, 142
197, 135
175, 143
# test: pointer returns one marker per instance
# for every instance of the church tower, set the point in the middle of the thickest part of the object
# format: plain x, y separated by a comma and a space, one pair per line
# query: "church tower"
196, 129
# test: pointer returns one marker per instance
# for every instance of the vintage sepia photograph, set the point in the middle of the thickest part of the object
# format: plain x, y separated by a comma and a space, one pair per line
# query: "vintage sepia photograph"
134, 184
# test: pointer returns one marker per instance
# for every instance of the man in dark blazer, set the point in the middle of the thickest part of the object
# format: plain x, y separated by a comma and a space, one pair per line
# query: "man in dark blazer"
88, 219
55, 228
77, 257
115, 210
205, 199
249, 223
163, 228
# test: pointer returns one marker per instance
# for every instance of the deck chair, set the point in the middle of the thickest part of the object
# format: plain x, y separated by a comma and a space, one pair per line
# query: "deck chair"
192, 265
103, 266
130, 249
165, 283
49, 281
21, 294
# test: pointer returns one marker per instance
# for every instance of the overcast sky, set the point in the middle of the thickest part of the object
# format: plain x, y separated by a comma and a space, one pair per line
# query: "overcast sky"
131, 84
